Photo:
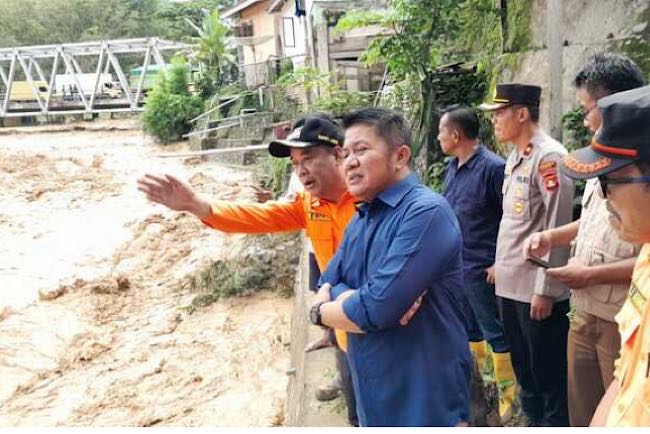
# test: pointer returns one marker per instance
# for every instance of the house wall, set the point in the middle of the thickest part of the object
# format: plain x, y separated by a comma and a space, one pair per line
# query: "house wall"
263, 25
587, 27
298, 50
338, 53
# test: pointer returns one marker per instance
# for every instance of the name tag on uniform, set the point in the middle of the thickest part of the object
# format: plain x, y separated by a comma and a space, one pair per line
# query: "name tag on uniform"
317, 217
637, 298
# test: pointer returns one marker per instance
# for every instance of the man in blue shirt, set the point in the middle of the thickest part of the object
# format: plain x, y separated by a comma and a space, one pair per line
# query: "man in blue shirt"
472, 185
403, 245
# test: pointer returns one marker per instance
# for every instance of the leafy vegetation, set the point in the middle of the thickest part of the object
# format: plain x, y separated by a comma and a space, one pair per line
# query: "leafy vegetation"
333, 98
260, 262
578, 137
425, 54
175, 15
170, 107
212, 52
277, 172
35, 22
637, 46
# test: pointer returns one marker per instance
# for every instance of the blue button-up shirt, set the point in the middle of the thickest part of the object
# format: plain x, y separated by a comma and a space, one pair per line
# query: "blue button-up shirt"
404, 242
474, 192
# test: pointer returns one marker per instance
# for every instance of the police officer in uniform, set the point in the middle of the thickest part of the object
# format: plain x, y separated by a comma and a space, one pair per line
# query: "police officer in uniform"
536, 197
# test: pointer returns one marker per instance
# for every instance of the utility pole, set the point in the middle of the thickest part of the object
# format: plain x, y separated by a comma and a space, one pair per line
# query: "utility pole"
504, 25
555, 48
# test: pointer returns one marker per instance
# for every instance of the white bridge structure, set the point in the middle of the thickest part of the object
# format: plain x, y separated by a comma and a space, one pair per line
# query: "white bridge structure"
31, 67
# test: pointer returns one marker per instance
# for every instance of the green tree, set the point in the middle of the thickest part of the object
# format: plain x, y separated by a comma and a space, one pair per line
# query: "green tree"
32, 22
36, 22
170, 107
175, 15
425, 35
333, 97
212, 52
143, 18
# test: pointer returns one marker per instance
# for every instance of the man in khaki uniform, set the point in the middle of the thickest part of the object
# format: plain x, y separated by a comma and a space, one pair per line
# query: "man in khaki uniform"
533, 308
619, 155
599, 274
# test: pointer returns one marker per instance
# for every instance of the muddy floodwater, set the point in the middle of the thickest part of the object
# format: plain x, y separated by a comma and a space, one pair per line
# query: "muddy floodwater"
92, 326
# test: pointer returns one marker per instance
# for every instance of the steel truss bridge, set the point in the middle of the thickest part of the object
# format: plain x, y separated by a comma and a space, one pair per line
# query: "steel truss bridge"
33, 62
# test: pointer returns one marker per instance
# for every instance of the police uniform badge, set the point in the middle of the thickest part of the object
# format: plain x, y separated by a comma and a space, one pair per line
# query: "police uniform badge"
518, 207
548, 172
528, 150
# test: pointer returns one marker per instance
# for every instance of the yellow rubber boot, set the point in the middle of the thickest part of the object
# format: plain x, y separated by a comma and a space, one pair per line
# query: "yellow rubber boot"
506, 383
480, 352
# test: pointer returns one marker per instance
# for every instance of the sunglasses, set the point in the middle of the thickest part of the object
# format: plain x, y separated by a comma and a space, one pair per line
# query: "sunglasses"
606, 181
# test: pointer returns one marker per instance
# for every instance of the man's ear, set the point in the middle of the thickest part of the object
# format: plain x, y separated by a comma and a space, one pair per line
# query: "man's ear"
338, 153
403, 156
523, 115
455, 135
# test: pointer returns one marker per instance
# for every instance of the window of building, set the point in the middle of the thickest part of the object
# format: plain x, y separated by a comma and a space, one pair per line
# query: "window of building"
289, 32
244, 30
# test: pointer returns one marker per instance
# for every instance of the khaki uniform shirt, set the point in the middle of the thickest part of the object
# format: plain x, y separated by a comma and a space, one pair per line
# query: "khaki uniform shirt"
598, 243
631, 407
536, 197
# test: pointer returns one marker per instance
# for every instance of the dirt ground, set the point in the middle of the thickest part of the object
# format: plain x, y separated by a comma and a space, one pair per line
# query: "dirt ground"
92, 326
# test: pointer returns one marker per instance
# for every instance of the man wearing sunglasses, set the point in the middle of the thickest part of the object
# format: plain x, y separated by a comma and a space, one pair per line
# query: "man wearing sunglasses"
619, 155
599, 272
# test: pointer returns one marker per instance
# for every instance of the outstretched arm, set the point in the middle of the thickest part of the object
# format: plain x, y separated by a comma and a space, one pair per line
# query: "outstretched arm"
272, 216
174, 194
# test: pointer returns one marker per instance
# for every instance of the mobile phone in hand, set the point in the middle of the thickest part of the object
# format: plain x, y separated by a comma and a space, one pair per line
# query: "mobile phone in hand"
538, 262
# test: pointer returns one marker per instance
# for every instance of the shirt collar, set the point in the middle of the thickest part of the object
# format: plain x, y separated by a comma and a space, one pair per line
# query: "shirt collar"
345, 197
362, 208
473, 159
538, 137
396, 192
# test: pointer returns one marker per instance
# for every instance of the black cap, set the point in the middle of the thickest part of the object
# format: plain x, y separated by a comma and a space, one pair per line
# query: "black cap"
312, 130
622, 139
513, 93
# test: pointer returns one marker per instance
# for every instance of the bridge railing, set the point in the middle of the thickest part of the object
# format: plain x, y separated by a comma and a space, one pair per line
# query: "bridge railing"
36, 95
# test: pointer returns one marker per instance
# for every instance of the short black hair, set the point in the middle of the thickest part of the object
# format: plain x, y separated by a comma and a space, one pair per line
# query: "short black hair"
533, 111
463, 118
389, 124
607, 73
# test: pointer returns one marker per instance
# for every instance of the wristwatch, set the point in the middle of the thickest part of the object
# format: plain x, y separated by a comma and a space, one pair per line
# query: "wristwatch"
314, 314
